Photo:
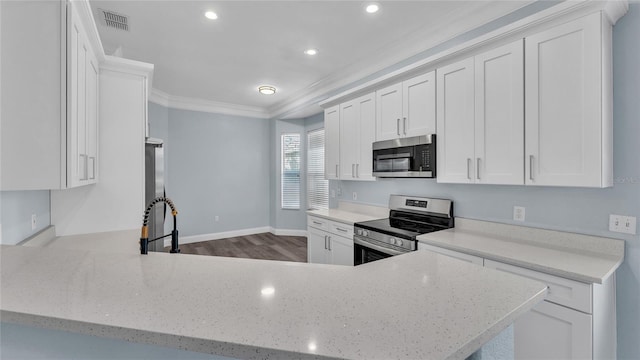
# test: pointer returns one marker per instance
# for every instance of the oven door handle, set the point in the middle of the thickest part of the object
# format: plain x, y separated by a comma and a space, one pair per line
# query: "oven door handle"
382, 249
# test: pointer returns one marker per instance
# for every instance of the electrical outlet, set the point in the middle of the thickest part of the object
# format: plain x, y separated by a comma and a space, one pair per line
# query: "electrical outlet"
622, 224
518, 213
355, 195
33, 221
339, 192
217, 218
333, 193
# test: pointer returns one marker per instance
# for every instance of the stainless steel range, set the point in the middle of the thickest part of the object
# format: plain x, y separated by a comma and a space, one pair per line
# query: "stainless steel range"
409, 216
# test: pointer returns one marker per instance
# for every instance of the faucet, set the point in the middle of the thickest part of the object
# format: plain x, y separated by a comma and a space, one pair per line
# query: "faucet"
144, 237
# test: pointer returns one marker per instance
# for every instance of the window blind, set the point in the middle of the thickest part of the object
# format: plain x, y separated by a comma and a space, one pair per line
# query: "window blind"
290, 179
317, 185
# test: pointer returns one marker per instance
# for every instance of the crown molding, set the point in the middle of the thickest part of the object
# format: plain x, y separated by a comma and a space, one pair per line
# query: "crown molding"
86, 16
185, 103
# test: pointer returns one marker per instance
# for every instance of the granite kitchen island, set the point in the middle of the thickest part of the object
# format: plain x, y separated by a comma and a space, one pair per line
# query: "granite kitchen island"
419, 305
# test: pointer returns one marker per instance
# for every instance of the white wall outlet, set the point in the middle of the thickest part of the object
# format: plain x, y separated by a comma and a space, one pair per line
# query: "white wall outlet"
217, 218
33, 221
339, 192
333, 193
622, 224
518, 213
355, 195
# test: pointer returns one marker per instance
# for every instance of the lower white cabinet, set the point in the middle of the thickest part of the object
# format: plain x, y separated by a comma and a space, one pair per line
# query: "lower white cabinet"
329, 242
551, 331
576, 321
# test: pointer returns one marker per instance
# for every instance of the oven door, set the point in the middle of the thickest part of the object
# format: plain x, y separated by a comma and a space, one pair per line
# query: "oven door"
365, 251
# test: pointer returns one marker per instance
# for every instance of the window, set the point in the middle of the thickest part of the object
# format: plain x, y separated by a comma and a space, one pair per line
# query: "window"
317, 185
290, 178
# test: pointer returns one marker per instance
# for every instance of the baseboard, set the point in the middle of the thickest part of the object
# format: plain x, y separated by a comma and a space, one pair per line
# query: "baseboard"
288, 232
234, 233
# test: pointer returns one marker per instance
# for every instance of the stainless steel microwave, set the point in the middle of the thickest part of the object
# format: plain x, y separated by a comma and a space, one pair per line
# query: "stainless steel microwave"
405, 157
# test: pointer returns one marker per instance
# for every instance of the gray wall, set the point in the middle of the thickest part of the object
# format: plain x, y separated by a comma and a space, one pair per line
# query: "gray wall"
580, 210
16, 208
218, 166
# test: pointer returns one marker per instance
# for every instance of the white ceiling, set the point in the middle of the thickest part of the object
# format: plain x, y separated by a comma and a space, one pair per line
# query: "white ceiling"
223, 61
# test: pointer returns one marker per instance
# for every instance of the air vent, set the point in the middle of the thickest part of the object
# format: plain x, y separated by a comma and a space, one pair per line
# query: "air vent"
115, 20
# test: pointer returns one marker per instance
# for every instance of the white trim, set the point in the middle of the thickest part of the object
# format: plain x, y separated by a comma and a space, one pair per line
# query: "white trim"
288, 232
132, 67
86, 16
208, 106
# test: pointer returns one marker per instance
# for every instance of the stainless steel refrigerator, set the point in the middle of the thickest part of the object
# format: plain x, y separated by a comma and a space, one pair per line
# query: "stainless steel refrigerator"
153, 188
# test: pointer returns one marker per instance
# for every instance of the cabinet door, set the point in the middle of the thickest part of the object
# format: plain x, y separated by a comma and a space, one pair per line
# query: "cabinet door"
551, 331
455, 123
349, 139
499, 115
332, 143
92, 119
389, 112
563, 74
367, 135
76, 102
419, 105
317, 246
341, 250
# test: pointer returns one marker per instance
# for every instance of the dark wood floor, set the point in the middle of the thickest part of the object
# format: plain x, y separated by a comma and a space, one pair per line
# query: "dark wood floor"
258, 246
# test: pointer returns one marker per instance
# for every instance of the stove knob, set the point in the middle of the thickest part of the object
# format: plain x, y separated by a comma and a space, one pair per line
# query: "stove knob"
359, 231
365, 232
392, 241
399, 242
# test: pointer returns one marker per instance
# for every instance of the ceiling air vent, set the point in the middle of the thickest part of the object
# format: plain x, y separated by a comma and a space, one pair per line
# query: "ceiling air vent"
115, 20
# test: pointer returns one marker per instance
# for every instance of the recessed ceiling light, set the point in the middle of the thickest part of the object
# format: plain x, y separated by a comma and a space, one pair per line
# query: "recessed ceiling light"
211, 15
372, 8
266, 90
311, 52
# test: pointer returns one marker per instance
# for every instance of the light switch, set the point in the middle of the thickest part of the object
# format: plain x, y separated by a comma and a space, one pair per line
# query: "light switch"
622, 224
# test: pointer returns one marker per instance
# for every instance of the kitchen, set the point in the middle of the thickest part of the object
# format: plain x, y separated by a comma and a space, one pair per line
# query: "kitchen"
573, 209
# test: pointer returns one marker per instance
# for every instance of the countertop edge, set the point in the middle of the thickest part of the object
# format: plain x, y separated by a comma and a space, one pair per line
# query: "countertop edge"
524, 264
207, 346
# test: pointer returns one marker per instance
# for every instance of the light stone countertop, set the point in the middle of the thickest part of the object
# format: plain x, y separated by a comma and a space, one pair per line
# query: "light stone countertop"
420, 305
350, 213
584, 258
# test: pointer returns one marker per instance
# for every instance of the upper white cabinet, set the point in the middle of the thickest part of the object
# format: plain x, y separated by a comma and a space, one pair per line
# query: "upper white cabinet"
49, 96
357, 134
568, 104
332, 143
82, 105
406, 109
480, 118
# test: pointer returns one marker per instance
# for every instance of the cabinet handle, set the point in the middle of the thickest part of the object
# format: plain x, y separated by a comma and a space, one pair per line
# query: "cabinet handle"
93, 167
336, 171
404, 125
329, 243
398, 126
478, 168
317, 222
325, 242
341, 229
468, 168
531, 167
353, 172
357, 170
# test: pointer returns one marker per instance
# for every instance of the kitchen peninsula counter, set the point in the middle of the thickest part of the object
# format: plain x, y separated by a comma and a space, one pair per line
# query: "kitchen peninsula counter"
418, 305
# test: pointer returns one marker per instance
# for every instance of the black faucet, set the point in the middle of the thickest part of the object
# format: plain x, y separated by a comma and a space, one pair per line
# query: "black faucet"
144, 237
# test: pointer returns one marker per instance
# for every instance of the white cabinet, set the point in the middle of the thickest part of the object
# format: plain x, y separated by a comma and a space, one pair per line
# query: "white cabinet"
480, 123
454, 254
406, 109
357, 134
82, 105
49, 96
568, 104
329, 242
576, 320
332, 143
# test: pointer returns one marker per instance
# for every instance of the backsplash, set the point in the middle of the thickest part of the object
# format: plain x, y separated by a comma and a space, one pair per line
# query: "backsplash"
16, 209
